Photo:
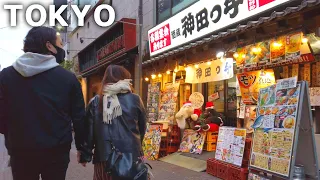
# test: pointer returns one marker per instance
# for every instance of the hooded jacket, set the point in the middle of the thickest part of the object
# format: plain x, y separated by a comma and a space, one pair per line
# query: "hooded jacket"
39, 101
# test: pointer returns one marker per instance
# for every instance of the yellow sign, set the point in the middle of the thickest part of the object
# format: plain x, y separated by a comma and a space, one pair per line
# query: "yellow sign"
251, 82
216, 70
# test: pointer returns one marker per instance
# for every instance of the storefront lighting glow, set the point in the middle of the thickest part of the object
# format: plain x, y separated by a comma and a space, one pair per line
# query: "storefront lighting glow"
209, 63
220, 54
235, 55
276, 44
168, 72
196, 66
146, 79
304, 40
159, 75
153, 76
256, 50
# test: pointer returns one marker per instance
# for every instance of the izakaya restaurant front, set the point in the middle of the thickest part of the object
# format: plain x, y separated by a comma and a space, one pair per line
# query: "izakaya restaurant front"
233, 87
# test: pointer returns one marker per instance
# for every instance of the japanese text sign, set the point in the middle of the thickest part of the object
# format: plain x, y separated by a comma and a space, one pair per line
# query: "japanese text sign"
160, 38
218, 70
251, 82
203, 18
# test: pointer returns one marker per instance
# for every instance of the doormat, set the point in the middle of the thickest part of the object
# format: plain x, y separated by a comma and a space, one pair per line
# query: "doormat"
179, 159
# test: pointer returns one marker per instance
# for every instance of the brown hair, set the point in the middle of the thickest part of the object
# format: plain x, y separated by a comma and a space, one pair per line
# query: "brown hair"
113, 74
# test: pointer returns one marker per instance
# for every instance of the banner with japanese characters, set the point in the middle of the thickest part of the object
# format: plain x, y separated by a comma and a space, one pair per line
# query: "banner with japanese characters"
203, 18
251, 82
218, 70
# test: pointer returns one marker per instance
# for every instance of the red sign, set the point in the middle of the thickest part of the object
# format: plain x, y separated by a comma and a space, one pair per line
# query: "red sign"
111, 48
253, 4
160, 38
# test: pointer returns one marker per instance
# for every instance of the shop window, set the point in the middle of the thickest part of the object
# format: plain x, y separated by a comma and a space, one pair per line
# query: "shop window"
216, 95
179, 5
168, 8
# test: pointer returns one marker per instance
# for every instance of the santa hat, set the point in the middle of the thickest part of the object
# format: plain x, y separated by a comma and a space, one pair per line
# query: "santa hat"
188, 103
196, 114
209, 105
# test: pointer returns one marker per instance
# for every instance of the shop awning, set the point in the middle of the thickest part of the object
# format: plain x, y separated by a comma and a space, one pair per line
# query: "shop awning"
250, 24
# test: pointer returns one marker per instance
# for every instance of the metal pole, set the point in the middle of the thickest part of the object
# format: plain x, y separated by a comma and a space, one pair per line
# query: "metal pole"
140, 49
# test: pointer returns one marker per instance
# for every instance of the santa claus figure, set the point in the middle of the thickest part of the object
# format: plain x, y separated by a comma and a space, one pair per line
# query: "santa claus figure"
186, 114
211, 119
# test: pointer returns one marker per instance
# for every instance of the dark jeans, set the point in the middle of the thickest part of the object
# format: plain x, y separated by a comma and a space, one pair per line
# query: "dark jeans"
51, 166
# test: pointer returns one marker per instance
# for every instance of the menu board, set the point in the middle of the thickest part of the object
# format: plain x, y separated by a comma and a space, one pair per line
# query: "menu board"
153, 101
275, 127
168, 102
251, 82
151, 141
230, 145
281, 50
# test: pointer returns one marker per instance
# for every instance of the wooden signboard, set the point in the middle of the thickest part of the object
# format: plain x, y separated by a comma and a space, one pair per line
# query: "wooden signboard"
284, 134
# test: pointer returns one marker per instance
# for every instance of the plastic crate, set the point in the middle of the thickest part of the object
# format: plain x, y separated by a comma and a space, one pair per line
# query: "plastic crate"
236, 173
212, 136
210, 146
222, 170
212, 167
173, 146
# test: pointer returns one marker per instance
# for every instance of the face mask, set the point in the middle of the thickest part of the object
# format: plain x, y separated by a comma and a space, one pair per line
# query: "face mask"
61, 54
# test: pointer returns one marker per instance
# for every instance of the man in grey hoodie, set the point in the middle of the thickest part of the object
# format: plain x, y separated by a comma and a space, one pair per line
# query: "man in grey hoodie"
39, 102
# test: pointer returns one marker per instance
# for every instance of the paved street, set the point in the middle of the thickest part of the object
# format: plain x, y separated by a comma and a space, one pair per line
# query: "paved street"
161, 170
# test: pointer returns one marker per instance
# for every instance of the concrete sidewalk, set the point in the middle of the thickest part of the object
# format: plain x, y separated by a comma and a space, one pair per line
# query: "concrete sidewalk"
161, 170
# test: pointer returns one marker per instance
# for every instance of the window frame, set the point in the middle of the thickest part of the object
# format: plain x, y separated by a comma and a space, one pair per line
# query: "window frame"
171, 7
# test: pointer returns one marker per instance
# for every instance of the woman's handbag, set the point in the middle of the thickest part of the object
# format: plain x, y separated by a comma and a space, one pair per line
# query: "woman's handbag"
123, 166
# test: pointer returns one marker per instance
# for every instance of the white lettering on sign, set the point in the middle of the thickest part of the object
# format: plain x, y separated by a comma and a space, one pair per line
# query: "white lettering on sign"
203, 18
56, 15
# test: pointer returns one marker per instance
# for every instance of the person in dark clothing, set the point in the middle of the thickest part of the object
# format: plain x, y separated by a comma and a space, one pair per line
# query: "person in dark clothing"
39, 103
115, 115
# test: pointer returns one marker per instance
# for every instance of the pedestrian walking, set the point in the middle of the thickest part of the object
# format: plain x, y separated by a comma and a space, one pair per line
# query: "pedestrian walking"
115, 126
39, 103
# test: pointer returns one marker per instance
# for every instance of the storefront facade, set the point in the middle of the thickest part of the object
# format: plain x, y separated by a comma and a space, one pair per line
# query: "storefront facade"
192, 42
117, 46
226, 49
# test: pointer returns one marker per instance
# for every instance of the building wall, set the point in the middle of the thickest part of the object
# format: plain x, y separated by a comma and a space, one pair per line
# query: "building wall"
123, 9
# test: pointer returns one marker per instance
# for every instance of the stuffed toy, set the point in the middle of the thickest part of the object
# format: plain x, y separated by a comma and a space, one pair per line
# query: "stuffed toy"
211, 120
185, 112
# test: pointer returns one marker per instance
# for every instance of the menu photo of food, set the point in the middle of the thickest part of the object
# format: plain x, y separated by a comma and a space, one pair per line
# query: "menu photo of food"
240, 58
251, 59
263, 53
293, 44
278, 50
267, 96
